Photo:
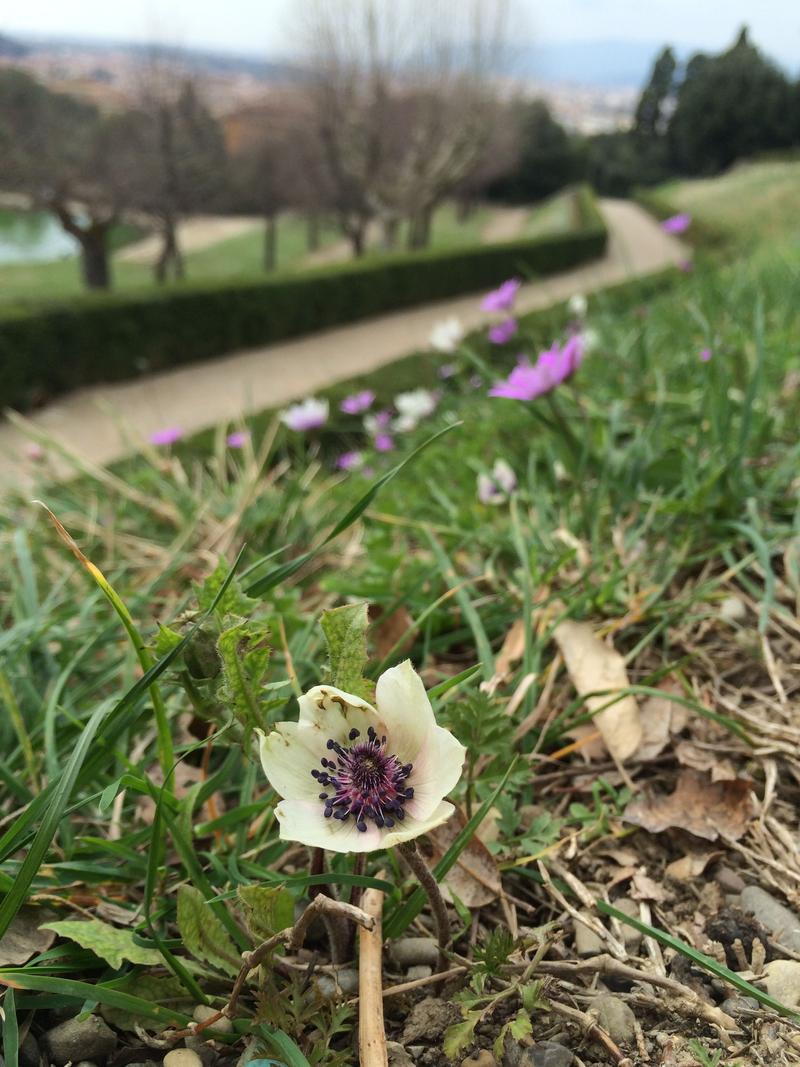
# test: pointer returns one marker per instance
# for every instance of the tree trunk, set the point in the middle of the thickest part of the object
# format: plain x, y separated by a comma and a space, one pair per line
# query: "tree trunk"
389, 235
170, 254
95, 265
357, 240
465, 208
419, 232
270, 243
312, 232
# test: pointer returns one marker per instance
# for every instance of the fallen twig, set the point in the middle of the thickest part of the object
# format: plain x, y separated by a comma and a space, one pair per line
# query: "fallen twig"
371, 1031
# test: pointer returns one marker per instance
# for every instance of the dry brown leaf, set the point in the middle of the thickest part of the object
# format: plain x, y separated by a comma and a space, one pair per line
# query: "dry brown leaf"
706, 809
23, 938
510, 653
704, 759
625, 857
474, 878
593, 666
393, 632
690, 866
661, 719
643, 887
589, 744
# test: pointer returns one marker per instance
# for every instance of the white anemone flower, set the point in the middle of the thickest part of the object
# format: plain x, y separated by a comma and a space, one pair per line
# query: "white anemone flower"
309, 414
495, 488
578, 305
413, 407
354, 778
447, 334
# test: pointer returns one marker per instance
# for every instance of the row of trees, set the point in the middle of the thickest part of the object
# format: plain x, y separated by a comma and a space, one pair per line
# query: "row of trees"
398, 111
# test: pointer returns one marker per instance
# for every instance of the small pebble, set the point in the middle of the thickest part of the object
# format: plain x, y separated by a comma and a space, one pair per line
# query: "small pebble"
733, 609
428, 1020
782, 979
734, 1006
414, 951
85, 1063
546, 1054
203, 1012
420, 971
484, 1058
182, 1057
728, 880
615, 1017
329, 988
632, 938
398, 1057
77, 1039
205, 1051
587, 942
782, 923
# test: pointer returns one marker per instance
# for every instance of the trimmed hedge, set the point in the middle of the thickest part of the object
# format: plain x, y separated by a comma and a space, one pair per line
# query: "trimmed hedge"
54, 348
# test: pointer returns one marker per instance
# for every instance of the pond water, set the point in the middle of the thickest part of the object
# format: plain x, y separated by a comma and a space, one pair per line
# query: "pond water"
33, 237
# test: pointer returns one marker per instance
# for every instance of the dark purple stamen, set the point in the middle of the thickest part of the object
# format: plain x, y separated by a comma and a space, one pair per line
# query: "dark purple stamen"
366, 782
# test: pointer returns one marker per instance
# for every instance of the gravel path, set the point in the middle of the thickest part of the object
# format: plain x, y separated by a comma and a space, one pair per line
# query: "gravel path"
106, 422
195, 234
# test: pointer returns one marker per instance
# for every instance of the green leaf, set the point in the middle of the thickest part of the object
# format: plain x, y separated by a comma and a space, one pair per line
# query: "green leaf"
530, 995
10, 1030
232, 602
460, 1035
202, 932
166, 640
520, 1026
244, 652
168, 992
111, 944
267, 909
345, 630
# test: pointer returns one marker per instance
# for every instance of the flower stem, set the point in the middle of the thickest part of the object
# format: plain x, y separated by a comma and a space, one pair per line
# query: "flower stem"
410, 853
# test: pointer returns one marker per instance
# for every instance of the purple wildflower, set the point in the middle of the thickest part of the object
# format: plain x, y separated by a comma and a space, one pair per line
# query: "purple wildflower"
502, 298
502, 332
167, 436
384, 442
447, 370
237, 439
358, 403
677, 223
553, 367
350, 461
686, 265
705, 355
475, 381
497, 486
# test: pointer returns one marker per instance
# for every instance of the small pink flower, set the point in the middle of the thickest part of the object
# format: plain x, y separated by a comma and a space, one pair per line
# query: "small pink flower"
502, 298
350, 461
310, 414
167, 436
502, 332
384, 442
358, 403
34, 451
475, 381
447, 370
677, 223
705, 355
686, 265
237, 439
553, 367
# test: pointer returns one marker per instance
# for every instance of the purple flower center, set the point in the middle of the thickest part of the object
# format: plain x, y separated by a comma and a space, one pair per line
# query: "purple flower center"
364, 781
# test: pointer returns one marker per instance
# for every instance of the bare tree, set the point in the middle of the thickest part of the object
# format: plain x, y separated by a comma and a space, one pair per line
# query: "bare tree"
68, 158
179, 160
404, 100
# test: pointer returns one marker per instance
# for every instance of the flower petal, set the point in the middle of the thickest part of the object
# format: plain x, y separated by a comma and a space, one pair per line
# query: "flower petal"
404, 707
437, 769
289, 753
330, 712
304, 821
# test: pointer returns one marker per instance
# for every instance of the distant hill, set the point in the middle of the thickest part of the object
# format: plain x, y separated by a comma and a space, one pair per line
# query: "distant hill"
11, 49
599, 64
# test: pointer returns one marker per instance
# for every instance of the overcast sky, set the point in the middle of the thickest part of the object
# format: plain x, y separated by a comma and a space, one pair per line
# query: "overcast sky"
264, 27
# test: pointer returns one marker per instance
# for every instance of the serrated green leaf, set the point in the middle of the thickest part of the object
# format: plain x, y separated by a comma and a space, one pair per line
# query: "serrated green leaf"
460, 1035
168, 992
345, 630
267, 909
166, 640
531, 998
110, 943
244, 652
233, 600
202, 932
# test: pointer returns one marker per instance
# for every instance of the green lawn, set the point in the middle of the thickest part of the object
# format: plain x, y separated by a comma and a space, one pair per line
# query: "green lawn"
751, 202
554, 215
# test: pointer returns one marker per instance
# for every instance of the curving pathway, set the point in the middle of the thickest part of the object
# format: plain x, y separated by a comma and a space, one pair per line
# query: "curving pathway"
103, 423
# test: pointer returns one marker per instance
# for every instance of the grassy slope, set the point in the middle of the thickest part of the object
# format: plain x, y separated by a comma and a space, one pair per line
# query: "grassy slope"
753, 202
677, 497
